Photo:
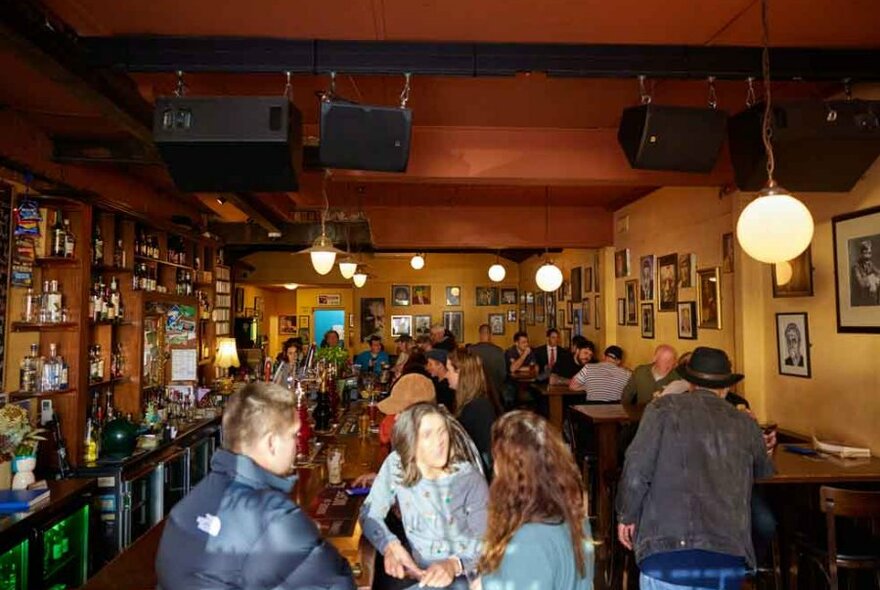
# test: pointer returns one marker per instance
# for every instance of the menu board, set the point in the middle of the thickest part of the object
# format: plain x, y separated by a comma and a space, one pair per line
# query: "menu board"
5, 242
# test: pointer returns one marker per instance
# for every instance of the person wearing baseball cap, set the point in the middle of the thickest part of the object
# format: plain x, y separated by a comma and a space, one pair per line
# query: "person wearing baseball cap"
691, 527
408, 390
604, 382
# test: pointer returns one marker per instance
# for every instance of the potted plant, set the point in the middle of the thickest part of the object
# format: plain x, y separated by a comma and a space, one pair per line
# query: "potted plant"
18, 440
334, 355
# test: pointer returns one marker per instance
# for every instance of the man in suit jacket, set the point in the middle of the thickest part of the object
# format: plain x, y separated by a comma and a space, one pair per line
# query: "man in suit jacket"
554, 359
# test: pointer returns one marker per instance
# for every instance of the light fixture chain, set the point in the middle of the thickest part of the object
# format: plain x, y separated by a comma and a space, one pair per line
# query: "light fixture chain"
766, 128
407, 86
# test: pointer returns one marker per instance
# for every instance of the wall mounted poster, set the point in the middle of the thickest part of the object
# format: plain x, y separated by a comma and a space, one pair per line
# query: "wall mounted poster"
687, 320
709, 286
287, 325
687, 264
372, 317
401, 325
793, 344
857, 270
632, 312
667, 282
646, 273
454, 322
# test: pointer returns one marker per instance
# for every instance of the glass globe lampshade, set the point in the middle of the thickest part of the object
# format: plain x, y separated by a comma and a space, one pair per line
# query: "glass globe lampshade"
548, 277
775, 227
347, 268
497, 272
359, 278
417, 262
291, 286
323, 255
784, 273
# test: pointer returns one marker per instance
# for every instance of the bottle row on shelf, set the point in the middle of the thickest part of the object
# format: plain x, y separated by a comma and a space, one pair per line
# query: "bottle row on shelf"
46, 307
39, 374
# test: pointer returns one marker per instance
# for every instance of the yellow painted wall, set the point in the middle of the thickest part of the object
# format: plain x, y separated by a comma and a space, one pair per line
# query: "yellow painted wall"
566, 261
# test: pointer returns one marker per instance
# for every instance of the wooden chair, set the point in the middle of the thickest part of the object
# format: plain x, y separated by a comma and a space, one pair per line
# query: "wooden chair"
854, 547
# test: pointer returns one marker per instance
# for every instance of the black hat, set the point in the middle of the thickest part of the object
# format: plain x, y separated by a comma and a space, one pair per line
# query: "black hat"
709, 367
438, 355
615, 352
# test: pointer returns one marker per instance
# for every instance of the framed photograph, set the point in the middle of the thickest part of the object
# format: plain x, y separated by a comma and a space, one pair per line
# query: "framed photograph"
400, 325
856, 238
259, 306
372, 317
687, 265
511, 316
797, 275
687, 320
576, 315
487, 296
597, 260
496, 324
632, 311
570, 317
667, 282
577, 287
621, 263
239, 299
560, 292
304, 322
646, 274
793, 344
454, 322
421, 295
304, 334
330, 299
401, 296
648, 320
621, 312
508, 296
586, 311
421, 325
530, 297
530, 312
709, 286
551, 318
598, 309
287, 325
540, 308
560, 318
588, 279
727, 252
453, 296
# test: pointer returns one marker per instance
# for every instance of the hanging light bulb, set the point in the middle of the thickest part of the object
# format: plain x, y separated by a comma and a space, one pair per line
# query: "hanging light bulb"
347, 267
417, 262
548, 277
359, 278
323, 254
775, 227
291, 286
497, 272
783, 272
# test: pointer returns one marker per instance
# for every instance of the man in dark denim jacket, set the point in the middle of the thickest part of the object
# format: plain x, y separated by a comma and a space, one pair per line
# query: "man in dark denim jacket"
684, 497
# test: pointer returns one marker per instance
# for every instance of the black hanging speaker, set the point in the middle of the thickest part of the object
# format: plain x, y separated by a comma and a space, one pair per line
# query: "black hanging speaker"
817, 146
682, 139
229, 143
364, 137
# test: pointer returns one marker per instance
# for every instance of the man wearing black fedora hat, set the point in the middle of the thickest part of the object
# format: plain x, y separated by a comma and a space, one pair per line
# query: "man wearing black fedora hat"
684, 498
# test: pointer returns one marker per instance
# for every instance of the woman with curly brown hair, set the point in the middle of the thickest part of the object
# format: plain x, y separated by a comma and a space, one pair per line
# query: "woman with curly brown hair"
538, 536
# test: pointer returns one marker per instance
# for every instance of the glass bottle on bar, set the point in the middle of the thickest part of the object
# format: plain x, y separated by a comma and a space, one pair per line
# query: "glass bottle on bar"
53, 302
69, 240
119, 254
58, 237
51, 374
30, 368
97, 246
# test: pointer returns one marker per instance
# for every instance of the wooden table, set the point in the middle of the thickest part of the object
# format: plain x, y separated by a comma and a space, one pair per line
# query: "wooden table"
793, 468
136, 565
554, 394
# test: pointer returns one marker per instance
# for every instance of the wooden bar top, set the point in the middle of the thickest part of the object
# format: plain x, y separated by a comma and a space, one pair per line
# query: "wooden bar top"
599, 413
794, 468
554, 389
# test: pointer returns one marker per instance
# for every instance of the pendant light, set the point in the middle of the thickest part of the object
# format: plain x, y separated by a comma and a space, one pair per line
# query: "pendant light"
497, 272
783, 272
360, 277
291, 286
322, 252
417, 261
775, 227
347, 265
549, 277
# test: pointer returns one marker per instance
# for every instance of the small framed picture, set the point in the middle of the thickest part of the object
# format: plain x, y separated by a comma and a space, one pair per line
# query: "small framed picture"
588, 279
454, 322
632, 311
793, 344
687, 266
648, 320
508, 296
621, 312
621, 263
330, 299
540, 308
421, 295
496, 324
569, 305
453, 296
530, 297
511, 316
400, 325
667, 282
560, 317
856, 238
422, 325
646, 270
576, 325
487, 296
401, 296
727, 252
598, 309
577, 288
796, 276
287, 325
304, 321
709, 285
687, 320
586, 312
239, 299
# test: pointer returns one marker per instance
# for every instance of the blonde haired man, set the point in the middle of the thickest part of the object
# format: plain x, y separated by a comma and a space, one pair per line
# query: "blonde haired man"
239, 528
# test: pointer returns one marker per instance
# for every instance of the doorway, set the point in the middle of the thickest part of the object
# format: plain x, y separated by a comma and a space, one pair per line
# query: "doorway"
328, 319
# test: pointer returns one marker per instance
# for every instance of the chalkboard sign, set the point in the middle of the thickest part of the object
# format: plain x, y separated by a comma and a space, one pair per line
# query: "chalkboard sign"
5, 243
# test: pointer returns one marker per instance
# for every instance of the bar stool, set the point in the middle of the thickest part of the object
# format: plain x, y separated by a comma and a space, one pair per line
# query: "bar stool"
853, 546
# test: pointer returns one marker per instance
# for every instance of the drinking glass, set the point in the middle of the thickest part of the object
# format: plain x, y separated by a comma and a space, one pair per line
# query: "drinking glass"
335, 460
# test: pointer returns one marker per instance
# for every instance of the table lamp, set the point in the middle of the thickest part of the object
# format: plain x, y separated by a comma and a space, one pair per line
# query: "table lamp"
227, 356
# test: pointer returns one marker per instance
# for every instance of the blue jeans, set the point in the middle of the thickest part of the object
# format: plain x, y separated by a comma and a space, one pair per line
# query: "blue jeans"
649, 583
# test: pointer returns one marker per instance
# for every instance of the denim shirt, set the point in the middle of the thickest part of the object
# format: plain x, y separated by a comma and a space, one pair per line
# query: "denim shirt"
687, 480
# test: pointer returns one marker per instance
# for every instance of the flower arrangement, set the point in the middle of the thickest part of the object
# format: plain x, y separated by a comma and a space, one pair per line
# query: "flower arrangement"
18, 437
335, 355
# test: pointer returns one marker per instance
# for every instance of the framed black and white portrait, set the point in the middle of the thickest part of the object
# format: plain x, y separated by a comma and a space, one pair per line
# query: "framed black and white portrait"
646, 275
856, 238
793, 344
496, 324
687, 320
647, 320
454, 322
401, 325
621, 311
632, 311
667, 282
401, 295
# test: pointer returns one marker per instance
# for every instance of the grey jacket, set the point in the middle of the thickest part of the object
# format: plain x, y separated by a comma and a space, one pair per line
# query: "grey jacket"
687, 480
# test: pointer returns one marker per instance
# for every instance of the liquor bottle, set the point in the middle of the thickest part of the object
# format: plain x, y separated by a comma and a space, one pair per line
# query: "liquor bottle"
90, 445
69, 240
54, 302
60, 449
322, 414
58, 237
97, 246
304, 436
99, 363
120, 361
110, 308
116, 299
119, 254
51, 370
63, 373
29, 370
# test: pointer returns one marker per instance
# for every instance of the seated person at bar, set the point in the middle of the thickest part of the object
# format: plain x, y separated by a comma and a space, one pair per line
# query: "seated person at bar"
691, 527
290, 356
423, 342
554, 359
372, 360
476, 407
436, 366
517, 358
603, 382
442, 338
647, 381
434, 476
576, 342
407, 391
492, 357
538, 535
404, 347
238, 528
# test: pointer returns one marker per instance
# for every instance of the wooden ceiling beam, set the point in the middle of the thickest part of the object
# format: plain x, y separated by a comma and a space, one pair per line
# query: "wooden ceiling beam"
250, 205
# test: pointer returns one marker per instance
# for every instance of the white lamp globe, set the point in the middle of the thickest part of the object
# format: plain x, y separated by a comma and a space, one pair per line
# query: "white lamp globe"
347, 268
323, 255
359, 278
775, 227
291, 286
417, 262
548, 277
784, 273
497, 272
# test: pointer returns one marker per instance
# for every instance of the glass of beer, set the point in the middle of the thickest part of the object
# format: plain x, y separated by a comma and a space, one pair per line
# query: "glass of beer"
335, 461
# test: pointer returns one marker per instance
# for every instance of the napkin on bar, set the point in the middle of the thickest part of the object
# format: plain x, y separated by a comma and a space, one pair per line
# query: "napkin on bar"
842, 451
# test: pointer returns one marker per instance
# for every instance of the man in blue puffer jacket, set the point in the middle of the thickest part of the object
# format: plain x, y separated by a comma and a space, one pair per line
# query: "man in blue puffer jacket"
239, 528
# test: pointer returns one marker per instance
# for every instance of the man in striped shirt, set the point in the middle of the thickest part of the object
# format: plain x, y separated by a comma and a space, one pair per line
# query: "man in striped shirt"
604, 382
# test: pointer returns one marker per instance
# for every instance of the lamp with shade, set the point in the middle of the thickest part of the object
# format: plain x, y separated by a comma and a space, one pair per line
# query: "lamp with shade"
227, 356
